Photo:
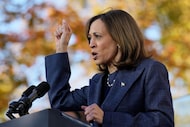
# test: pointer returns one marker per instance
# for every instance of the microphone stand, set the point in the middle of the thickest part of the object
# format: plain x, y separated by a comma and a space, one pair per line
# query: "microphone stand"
20, 107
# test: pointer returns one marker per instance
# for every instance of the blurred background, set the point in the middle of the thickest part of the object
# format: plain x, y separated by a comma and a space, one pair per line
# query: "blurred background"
27, 36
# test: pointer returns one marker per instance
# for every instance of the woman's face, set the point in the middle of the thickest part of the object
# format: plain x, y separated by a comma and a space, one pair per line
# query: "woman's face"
104, 49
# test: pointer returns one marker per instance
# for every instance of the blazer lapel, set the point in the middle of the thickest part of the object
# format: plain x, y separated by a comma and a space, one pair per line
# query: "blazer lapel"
95, 90
124, 81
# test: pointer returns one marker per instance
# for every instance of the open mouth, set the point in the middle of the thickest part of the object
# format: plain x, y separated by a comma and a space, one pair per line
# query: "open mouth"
94, 55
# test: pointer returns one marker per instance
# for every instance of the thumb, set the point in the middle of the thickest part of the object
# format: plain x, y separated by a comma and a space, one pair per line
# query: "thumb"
83, 107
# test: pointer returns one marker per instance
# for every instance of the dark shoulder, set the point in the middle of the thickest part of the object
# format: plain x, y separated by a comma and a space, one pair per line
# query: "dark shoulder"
151, 63
97, 76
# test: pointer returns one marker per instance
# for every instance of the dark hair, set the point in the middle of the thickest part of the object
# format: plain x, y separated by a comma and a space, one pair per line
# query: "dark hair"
124, 30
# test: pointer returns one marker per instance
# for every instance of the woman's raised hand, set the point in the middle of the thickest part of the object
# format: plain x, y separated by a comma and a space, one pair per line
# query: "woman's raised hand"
62, 37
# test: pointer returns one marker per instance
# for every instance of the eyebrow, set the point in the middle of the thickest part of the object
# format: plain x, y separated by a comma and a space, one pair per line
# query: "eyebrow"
94, 33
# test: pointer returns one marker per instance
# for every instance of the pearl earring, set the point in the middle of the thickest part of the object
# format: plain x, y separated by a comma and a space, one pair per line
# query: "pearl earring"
118, 46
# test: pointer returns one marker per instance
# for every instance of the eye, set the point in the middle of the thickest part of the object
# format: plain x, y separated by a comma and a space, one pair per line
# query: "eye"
97, 36
89, 38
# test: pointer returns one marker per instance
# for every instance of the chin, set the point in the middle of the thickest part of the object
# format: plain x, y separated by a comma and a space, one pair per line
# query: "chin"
97, 62
100, 63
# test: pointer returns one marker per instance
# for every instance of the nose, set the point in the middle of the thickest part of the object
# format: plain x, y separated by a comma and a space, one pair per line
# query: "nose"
92, 43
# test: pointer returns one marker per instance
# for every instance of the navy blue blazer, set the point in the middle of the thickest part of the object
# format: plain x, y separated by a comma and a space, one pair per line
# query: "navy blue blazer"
140, 97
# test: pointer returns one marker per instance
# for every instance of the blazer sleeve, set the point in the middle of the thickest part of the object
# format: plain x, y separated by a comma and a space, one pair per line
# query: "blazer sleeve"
157, 101
58, 74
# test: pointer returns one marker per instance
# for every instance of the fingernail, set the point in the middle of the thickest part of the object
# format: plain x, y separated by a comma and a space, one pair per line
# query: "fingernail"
64, 21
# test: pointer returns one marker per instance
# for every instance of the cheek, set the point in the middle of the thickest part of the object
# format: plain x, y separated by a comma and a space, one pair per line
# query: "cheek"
108, 49
110, 52
108, 45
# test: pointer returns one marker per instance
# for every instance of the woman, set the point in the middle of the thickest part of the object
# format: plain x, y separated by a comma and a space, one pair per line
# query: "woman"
131, 90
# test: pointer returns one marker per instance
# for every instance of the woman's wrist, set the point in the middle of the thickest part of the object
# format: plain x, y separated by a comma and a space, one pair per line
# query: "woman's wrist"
61, 50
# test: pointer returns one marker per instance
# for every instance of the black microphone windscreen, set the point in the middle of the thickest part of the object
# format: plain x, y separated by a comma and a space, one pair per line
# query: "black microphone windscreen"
28, 91
42, 88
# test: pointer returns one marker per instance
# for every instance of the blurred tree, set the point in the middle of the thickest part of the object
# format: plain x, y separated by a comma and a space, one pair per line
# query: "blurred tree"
174, 22
36, 38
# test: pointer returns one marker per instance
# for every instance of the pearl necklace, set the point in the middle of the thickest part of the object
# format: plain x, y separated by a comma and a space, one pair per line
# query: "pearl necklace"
108, 83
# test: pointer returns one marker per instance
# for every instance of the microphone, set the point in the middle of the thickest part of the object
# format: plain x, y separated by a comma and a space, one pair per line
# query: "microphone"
28, 91
25, 102
37, 92
14, 105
